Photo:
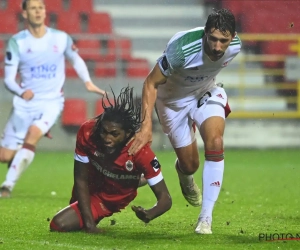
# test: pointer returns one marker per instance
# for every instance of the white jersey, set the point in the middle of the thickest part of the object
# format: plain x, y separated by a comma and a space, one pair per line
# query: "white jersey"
41, 63
189, 70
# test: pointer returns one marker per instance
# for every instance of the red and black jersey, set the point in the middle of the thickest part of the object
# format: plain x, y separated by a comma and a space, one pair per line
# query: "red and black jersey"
116, 180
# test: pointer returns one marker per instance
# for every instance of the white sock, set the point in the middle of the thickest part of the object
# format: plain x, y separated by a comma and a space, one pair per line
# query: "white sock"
21, 161
185, 180
212, 182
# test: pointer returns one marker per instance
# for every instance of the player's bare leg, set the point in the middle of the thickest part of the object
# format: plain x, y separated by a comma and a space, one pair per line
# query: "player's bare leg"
186, 165
6, 156
22, 158
65, 220
212, 131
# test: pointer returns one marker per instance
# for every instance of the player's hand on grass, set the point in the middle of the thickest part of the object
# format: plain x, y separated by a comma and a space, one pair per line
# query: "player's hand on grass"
141, 213
141, 138
27, 95
93, 230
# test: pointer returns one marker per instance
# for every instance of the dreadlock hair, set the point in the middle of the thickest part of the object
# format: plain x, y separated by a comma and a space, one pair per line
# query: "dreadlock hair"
222, 20
124, 110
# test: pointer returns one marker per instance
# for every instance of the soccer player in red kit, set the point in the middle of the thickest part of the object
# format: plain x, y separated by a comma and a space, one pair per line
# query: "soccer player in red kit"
106, 178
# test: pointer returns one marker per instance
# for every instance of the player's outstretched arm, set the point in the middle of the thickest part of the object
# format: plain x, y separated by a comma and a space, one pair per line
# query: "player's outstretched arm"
153, 80
90, 86
164, 203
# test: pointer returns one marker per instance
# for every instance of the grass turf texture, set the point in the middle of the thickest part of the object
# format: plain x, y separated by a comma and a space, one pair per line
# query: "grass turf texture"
260, 194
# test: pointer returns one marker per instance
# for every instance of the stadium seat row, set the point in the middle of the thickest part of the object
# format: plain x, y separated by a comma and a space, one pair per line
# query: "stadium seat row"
52, 5
266, 20
75, 111
71, 22
133, 68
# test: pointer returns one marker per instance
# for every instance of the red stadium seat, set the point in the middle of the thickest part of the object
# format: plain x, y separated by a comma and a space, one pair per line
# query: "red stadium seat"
89, 49
54, 5
99, 23
119, 48
99, 109
2, 50
9, 22
79, 6
13, 5
137, 67
70, 71
105, 69
69, 22
74, 113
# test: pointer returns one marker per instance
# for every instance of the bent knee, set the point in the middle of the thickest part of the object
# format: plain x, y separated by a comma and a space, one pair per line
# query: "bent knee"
6, 156
189, 166
215, 143
56, 225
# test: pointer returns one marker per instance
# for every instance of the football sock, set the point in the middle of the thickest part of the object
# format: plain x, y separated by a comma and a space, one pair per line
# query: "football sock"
21, 161
185, 180
212, 182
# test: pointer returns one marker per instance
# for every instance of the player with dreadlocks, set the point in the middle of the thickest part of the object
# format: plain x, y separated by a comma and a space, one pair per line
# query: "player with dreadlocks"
106, 178
186, 95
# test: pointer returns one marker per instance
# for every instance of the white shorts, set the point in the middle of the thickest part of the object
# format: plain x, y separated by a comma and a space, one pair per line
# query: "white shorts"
43, 116
177, 121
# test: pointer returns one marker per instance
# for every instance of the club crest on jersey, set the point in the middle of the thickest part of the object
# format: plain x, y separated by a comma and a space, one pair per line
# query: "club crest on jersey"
129, 165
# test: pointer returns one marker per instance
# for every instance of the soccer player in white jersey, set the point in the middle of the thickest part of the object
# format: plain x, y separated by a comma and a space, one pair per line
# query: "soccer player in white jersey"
182, 85
38, 53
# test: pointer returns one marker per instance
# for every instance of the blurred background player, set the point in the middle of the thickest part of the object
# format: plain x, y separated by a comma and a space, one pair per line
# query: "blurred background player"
39, 54
106, 178
183, 80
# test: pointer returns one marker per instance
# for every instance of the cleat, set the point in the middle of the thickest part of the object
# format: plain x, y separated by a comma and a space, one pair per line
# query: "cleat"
5, 192
203, 226
192, 194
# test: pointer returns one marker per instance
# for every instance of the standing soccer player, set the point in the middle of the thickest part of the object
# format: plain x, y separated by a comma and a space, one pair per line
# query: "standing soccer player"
183, 85
106, 178
38, 53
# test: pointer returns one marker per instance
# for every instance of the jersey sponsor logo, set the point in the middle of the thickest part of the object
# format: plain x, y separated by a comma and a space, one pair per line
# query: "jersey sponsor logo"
44, 71
98, 154
8, 55
155, 164
112, 175
196, 78
129, 165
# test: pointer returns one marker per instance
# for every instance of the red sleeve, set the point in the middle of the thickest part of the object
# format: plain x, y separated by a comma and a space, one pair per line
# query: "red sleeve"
80, 150
147, 161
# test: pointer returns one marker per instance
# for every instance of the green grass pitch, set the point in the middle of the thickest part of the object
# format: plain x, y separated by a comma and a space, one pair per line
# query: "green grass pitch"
260, 194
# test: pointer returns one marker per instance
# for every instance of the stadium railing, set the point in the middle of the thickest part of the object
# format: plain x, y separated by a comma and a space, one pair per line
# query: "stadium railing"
258, 82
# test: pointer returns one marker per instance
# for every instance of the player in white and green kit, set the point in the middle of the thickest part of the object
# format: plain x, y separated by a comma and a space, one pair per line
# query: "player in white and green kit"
38, 53
183, 88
